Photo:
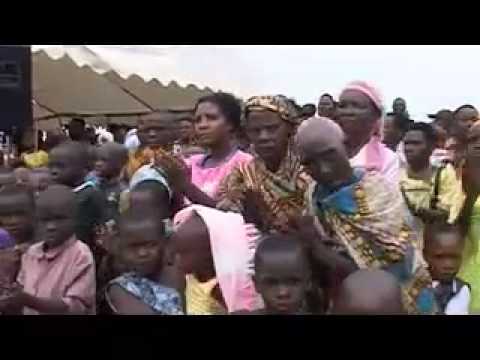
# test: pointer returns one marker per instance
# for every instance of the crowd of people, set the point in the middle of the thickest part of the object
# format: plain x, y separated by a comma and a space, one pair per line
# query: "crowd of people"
263, 207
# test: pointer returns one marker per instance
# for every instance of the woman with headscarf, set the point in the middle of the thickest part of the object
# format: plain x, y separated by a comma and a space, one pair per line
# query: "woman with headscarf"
359, 114
274, 183
358, 217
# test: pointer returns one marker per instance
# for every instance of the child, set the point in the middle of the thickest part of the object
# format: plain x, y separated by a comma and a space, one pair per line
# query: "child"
149, 289
17, 215
443, 251
282, 276
110, 161
17, 220
57, 275
216, 251
69, 164
40, 179
369, 292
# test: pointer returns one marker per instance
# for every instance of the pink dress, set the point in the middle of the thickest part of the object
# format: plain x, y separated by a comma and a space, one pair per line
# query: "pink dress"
208, 179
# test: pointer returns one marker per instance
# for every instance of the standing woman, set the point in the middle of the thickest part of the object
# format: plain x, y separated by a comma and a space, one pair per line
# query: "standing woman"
357, 218
275, 179
359, 114
327, 106
217, 118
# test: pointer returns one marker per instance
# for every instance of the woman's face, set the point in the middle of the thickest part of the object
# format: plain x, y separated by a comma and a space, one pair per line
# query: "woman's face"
326, 107
328, 166
357, 115
268, 133
211, 125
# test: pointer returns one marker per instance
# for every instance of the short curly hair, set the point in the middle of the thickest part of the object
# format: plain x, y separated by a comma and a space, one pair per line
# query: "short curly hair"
228, 104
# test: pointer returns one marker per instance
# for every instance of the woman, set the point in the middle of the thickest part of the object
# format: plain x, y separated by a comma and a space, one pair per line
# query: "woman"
358, 216
274, 182
216, 252
471, 217
359, 113
327, 106
217, 118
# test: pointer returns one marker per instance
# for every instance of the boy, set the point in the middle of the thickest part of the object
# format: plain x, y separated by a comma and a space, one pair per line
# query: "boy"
431, 193
69, 163
17, 219
111, 158
369, 292
282, 276
443, 252
57, 275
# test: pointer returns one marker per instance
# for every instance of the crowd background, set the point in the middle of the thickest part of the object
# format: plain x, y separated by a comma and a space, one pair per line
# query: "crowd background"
257, 207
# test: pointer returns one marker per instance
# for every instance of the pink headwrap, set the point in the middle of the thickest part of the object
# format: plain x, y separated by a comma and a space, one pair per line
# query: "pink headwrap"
375, 150
233, 245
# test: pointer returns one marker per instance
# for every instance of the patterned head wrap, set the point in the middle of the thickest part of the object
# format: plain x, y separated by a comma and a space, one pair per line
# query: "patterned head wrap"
278, 104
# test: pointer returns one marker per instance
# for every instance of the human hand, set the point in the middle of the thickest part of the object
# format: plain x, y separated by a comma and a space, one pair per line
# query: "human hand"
179, 175
10, 260
255, 209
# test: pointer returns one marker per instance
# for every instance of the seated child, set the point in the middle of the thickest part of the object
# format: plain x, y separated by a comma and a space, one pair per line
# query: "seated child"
216, 251
443, 251
282, 276
111, 158
69, 163
148, 289
57, 275
369, 292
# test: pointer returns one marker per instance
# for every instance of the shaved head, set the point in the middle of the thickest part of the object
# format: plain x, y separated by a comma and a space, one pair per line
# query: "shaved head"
369, 292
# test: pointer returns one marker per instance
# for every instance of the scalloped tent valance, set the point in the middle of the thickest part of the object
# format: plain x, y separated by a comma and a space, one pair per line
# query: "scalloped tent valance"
62, 88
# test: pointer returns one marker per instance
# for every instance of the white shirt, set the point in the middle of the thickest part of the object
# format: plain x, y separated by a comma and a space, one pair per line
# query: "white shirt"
460, 303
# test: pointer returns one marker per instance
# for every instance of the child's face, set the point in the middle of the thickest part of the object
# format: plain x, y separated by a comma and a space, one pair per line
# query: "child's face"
107, 165
282, 278
64, 168
16, 217
141, 250
444, 256
55, 225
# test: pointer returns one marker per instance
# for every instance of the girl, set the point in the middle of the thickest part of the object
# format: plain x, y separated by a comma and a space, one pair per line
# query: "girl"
216, 252
149, 286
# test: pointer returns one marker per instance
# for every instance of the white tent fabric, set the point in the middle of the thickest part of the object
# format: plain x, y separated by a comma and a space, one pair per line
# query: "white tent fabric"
183, 64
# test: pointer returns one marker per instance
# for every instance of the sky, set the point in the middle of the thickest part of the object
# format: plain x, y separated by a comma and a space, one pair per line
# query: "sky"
429, 77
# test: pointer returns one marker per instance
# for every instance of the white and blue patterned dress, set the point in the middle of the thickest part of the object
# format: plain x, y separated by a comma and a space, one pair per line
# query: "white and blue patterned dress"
162, 299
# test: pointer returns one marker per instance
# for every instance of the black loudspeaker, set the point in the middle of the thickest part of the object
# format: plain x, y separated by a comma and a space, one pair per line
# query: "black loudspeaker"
15, 89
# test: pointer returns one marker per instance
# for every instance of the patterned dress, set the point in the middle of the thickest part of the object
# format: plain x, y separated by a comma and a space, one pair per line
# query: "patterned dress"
162, 299
365, 219
283, 192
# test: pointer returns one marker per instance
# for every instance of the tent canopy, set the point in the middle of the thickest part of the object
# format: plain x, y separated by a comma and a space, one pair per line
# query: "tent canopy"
62, 89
